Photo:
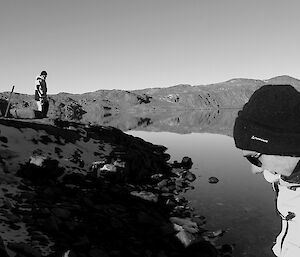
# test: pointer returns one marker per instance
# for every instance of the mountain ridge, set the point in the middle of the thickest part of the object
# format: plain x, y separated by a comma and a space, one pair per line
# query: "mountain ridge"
103, 106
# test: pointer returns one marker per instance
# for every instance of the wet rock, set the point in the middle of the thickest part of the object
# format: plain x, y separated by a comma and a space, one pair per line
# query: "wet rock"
213, 180
176, 164
189, 176
227, 250
186, 224
177, 171
162, 183
213, 234
148, 196
186, 162
185, 237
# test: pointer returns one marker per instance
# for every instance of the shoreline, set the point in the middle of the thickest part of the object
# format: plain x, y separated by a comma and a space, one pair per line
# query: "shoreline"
96, 191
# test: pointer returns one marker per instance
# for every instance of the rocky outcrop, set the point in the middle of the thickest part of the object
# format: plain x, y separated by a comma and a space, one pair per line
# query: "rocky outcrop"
68, 189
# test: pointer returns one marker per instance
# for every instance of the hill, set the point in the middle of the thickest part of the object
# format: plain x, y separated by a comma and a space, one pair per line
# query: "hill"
105, 106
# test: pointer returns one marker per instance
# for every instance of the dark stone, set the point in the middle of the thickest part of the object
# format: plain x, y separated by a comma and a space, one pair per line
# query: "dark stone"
189, 176
186, 163
213, 180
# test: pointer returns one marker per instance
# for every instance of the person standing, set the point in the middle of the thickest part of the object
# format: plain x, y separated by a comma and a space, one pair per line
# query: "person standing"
267, 130
41, 94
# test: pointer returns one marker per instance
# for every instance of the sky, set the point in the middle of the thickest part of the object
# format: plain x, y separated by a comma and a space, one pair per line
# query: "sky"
133, 44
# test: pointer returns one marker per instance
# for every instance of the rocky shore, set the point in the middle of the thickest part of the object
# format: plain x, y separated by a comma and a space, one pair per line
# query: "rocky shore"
74, 190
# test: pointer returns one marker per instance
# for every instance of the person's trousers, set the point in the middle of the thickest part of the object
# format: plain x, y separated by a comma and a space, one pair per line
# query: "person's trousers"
39, 105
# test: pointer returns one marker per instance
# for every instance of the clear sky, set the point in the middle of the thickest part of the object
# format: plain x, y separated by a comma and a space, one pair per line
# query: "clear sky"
87, 45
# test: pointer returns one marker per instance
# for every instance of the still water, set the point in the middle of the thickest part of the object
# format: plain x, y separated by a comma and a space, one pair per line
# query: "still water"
241, 203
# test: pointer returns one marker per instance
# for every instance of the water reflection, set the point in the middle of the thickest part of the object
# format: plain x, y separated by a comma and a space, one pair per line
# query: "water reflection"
242, 203
181, 122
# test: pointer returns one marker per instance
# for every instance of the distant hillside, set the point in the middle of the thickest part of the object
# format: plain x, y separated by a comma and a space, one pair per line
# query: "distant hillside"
104, 106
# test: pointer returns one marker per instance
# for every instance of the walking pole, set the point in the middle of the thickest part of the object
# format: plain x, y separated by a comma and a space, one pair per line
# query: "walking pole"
12, 90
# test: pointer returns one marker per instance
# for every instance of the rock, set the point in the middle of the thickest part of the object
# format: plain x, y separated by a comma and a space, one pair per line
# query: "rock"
108, 168
69, 253
227, 250
148, 196
156, 176
166, 156
186, 162
119, 164
185, 237
176, 165
177, 171
97, 164
23, 113
37, 160
189, 176
162, 183
186, 223
213, 180
212, 234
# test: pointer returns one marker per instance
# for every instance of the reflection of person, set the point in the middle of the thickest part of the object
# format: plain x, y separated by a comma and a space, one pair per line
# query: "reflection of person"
267, 129
41, 93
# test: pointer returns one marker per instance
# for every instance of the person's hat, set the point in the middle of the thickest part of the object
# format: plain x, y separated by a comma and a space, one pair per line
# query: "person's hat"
269, 122
44, 73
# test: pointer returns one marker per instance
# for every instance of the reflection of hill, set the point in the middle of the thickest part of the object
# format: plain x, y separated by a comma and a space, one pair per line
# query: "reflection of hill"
192, 121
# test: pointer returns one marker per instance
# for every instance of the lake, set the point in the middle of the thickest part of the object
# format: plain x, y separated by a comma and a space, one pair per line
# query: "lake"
241, 203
